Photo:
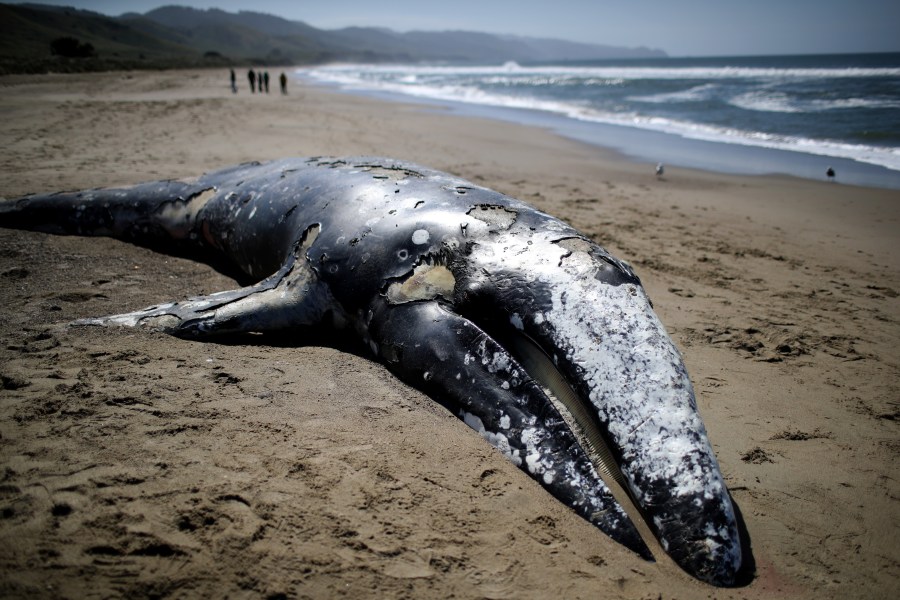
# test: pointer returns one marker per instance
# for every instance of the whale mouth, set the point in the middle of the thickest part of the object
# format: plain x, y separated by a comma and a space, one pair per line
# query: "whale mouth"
687, 516
582, 421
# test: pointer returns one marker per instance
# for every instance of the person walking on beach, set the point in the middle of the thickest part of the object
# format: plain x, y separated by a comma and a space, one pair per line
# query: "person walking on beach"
660, 170
283, 79
829, 172
265, 78
233, 83
252, 77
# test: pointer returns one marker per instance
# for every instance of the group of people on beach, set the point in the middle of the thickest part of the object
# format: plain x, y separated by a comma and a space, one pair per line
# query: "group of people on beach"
259, 81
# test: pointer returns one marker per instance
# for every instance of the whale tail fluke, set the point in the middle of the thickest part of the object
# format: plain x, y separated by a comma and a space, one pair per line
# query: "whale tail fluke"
146, 214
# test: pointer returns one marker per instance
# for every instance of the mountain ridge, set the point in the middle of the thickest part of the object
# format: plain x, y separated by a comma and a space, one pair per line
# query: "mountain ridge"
179, 36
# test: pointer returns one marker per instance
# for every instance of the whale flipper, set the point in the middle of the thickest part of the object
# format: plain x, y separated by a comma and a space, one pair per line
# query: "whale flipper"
290, 298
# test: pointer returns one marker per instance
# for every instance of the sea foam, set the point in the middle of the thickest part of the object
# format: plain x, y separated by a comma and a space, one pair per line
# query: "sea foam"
707, 103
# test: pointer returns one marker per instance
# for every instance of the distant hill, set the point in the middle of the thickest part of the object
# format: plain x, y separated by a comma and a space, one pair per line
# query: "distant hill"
177, 36
26, 34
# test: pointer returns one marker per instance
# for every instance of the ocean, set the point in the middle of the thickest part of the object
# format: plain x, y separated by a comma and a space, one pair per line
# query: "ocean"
777, 114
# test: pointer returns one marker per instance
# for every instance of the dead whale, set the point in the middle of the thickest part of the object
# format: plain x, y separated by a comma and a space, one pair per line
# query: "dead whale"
532, 334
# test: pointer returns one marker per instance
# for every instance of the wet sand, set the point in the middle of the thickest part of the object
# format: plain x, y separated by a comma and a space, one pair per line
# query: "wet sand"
138, 465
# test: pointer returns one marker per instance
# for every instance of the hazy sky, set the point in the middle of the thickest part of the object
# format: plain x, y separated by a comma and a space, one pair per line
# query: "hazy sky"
679, 27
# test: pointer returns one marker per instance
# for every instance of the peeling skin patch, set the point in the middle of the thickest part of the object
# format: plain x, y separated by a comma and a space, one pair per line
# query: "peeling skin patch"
578, 250
160, 323
389, 173
497, 217
575, 245
583, 255
426, 283
420, 236
178, 216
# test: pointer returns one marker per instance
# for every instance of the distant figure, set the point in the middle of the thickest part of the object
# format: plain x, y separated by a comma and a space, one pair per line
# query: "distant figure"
829, 172
283, 80
265, 77
233, 83
660, 170
252, 77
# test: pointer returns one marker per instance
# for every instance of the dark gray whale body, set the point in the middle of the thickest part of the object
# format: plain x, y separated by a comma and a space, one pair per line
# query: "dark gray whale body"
534, 335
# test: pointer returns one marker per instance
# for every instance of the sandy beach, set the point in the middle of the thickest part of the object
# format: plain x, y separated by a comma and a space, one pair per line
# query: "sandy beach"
133, 464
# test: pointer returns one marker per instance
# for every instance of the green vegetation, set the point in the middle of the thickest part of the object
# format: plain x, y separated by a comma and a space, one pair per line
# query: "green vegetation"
70, 47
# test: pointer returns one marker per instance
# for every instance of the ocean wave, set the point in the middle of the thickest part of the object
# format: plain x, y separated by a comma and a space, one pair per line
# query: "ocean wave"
430, 83
875, 155
695, 94
548, 80
765, 101
607, 73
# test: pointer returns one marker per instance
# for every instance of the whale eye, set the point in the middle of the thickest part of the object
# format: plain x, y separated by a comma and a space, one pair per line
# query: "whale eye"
402, 254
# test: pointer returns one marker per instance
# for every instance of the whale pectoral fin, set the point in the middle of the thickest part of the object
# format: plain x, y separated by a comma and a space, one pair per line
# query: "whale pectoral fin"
292, 297
459, 364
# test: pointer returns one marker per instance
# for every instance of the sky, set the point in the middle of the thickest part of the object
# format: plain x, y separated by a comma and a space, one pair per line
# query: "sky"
679, 27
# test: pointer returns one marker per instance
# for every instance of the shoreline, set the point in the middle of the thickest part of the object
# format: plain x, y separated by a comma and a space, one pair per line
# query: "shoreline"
646, 145
134, 464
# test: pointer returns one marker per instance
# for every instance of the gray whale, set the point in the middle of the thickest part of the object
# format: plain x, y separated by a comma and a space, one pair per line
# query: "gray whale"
535, 336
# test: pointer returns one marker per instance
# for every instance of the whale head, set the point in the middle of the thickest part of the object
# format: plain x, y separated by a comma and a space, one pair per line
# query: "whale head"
580, 324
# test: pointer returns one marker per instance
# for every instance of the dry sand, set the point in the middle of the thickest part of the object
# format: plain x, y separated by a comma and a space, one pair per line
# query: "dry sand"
137, 465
